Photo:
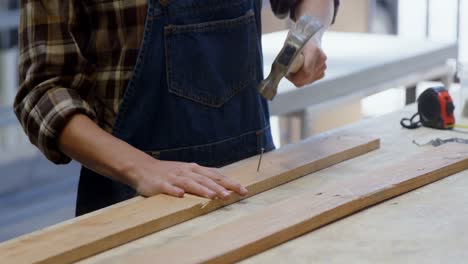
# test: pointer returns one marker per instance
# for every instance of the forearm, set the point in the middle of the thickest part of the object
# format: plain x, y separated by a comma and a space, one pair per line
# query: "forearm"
86, 142
323, 10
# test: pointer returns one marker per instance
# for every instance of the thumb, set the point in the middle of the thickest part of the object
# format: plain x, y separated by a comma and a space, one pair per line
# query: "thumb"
297, 64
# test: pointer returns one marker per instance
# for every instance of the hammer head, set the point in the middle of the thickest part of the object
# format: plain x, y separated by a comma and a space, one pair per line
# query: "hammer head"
305, 29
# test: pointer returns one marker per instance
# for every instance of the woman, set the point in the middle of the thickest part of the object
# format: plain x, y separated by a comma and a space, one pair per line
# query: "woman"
150, 95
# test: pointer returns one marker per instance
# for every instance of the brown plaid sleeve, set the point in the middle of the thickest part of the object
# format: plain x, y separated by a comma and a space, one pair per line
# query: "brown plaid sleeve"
55, 77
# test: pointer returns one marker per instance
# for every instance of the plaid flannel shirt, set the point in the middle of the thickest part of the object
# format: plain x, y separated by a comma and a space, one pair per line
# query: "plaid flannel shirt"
76, 56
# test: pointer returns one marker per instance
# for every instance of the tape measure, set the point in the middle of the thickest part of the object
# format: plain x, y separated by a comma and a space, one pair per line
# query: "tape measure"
435, 110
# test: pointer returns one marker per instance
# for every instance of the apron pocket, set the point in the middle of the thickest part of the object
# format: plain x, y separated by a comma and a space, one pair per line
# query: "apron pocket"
211, 62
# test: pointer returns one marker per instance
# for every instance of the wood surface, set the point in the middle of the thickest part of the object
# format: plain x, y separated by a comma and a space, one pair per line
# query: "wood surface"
427, 225
254, 233
114, 226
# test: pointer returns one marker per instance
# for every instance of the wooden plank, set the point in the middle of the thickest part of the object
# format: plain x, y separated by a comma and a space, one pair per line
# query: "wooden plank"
289, 219
110, 227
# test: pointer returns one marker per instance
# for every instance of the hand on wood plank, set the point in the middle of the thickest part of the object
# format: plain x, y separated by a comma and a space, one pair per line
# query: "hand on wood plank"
87, 143
176, 178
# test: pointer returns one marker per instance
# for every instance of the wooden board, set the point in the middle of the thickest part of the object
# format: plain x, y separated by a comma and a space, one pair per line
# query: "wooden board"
283, 221
392, 231
110, 227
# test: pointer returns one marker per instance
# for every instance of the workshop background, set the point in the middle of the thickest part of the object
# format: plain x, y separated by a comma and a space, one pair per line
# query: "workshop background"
35, 193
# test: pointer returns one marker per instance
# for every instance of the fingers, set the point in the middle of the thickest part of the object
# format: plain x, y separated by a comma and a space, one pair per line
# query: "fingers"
176, 178
232, 185
220, 191
313, 69
208, 182
172, 190
320, 73
193, 187
222, 180
156, 186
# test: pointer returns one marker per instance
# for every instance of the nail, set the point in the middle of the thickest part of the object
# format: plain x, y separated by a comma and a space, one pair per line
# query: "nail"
211, 194
244, 190
226, 194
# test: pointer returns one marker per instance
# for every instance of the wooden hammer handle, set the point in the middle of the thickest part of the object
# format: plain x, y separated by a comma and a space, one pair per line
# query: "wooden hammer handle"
297, 64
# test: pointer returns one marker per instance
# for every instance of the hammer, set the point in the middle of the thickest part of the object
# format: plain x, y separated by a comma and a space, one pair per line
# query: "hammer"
290, 59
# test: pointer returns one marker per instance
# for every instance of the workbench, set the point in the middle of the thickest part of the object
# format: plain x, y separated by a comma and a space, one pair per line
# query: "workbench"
428, 225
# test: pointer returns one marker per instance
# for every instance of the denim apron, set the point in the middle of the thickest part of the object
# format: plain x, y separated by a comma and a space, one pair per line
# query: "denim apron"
192, 97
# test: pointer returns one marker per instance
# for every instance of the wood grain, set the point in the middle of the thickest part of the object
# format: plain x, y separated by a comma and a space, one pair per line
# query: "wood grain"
283, 221
114, 226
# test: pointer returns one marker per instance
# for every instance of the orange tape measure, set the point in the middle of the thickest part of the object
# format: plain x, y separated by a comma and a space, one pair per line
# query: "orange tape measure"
435, 110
